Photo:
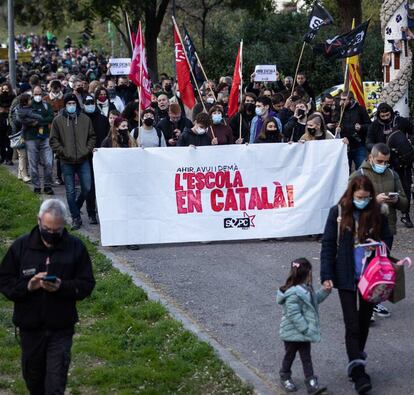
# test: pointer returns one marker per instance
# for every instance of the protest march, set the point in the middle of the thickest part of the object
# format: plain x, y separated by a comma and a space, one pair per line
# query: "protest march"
150, 161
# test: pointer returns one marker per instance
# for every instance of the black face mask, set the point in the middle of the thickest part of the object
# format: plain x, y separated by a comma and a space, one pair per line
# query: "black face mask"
168, 88
79, 90
288, 86
123, 131
49, 237
122, 87
112, 93
386, 121
154, 104
312, 131
268, 131
327, 108
148, 122
301, 113
123, 137
249, 107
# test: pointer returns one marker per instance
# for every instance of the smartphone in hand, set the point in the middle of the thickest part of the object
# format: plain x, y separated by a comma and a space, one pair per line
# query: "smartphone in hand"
50, 279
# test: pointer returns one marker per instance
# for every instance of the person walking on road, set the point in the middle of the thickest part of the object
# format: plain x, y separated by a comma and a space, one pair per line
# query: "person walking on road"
355, 220
300, 323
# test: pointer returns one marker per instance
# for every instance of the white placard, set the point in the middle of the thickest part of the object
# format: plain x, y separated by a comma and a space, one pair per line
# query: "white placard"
184, 194
264, 73
120, 66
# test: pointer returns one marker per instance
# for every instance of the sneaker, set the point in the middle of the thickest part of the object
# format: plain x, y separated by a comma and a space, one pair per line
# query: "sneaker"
406, 220
313, 387
26, 179
48, 191
288, 385
92, 219
381, 311
37, 190
76, 223
59, 181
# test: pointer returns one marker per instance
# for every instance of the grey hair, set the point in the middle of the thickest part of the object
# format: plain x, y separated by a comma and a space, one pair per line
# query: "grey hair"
288, 77
55, 207
380, 148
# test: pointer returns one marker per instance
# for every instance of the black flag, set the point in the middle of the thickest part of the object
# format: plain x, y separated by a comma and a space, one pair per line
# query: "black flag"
319, 17
345, 45
192, 58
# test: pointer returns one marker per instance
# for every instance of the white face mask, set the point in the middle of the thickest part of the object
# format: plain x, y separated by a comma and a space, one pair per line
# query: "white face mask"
210, 100
71, 84
37, 98
200, 130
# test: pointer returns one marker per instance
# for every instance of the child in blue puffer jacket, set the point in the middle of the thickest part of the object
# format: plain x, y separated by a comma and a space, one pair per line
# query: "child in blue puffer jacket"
300, 323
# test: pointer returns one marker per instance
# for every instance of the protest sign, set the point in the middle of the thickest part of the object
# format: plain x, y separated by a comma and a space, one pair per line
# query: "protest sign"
183, 194
120, 66
265, 73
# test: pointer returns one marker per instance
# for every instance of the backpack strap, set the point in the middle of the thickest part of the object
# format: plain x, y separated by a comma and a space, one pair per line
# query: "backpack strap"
338, 220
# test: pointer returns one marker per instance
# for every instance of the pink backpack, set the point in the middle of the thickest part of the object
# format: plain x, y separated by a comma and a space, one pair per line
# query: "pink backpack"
378, 278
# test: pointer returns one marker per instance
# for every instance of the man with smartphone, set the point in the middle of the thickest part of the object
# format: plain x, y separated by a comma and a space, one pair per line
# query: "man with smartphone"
389, 192
45, 273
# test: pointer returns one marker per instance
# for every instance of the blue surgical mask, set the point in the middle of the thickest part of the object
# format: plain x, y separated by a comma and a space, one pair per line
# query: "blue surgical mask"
361, 204
90, 108
259, 111
217, 118
378, 168
70, 108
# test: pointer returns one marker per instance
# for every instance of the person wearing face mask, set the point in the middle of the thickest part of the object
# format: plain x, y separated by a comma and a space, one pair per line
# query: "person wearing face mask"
219, 132
263, 111
174, 125
44, 273
73, 139
119, 136
6, 99
113, 97
354, 126
316, 129
196, 136
385, 123
389, 193
246, 113
209, 100
55, 96
167, 86
296, 126
126, 92
357, 219
36, 136
269, 133
148, 136
329, 112
79, 91
102, 102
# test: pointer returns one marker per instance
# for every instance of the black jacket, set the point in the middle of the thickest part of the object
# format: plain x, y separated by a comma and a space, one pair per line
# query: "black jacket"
69, 261
337, 261
295, 128
189, 138
100, 125
378, 132
167, 127
353, 115
235, 126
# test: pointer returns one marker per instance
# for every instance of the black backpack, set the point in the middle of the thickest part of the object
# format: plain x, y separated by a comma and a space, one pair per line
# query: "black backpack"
402, 152
136, 130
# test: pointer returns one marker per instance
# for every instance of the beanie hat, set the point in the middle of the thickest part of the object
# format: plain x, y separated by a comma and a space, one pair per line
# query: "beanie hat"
70, 97
88, 100
24, 87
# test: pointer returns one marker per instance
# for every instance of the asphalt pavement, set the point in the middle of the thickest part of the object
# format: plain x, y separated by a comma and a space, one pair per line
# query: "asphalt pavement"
229, 290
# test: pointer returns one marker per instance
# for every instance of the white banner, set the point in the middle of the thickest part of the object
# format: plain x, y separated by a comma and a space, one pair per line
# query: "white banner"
263, 73
230, 192
120, 66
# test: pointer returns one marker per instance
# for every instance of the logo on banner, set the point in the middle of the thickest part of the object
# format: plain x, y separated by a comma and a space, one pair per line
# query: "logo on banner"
315, 23
245, 222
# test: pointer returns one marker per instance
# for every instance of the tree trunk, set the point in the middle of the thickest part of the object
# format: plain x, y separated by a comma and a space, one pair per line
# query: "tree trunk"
349, 9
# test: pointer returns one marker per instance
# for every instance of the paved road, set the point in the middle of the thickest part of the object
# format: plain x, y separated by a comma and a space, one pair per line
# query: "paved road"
229, 289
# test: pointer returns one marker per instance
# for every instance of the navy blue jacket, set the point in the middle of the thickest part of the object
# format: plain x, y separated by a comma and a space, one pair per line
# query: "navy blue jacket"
337, 261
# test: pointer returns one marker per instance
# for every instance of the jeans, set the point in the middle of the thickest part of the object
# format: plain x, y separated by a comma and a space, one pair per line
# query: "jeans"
357, 155
83, 171
291, 349
46, 360
39, 152
356, 322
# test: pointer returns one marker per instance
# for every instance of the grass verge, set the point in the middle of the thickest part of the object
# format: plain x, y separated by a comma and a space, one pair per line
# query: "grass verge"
124, 344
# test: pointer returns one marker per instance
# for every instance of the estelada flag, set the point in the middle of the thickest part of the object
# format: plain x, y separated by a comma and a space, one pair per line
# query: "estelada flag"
183, 73
356, 85
235, 87
138, 72
319, 17
344, 45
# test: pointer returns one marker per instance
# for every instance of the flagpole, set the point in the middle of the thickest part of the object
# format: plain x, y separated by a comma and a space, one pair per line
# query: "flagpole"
204, 73
241, 87
297, 67
188, 62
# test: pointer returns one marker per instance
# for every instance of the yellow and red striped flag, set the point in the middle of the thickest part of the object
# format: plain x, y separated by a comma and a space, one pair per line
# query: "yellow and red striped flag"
356, 86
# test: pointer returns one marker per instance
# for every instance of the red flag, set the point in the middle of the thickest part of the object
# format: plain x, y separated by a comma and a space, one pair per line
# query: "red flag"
235, 87
138, 72
183, 73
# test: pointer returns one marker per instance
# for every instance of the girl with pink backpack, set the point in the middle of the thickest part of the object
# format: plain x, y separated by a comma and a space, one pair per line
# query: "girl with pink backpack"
356, 220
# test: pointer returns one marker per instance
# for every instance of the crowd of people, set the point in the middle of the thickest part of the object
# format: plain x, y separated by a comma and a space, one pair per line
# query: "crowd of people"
68, 104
